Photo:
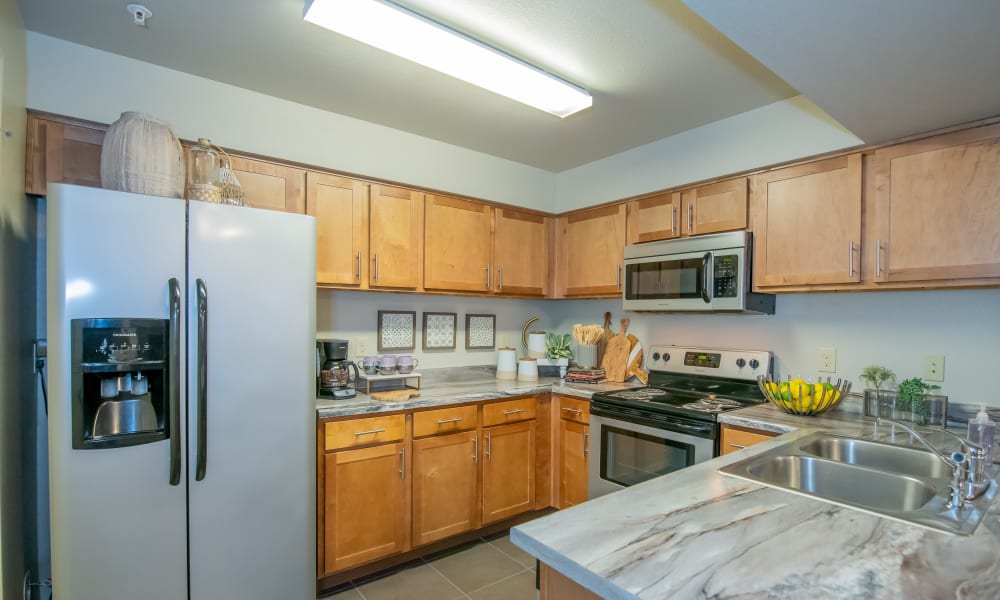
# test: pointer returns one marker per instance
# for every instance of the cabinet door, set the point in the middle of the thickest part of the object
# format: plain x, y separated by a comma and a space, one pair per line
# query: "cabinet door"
654, 218
808, 223
715, 207
573, 451
591, 251
364, 516
508, 470
62, 153
271, 186
445, 499
937, 207
395, 221
340, 206
520, 250
457, 244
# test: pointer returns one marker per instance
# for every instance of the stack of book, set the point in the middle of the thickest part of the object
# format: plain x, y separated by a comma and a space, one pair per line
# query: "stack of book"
585, 376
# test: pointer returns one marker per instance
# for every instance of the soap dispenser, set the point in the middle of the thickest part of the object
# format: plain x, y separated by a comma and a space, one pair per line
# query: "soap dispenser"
982, 432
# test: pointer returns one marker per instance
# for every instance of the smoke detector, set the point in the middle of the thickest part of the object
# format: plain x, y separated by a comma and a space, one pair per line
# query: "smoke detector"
139, 14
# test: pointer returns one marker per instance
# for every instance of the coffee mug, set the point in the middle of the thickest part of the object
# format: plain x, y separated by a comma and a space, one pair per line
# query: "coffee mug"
387, 364
406, 364
370, 365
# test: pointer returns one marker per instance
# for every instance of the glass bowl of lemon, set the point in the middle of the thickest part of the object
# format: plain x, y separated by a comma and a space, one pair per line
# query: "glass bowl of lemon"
800, 397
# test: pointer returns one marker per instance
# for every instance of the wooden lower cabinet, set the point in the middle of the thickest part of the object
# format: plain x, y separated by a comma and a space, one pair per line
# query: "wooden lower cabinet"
366, 507
738, 438
574, 439
508, 457
553, 585
445, 490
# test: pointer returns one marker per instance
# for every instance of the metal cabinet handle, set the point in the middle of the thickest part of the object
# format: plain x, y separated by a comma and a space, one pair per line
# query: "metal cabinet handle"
202, 408
357, 433
513, 412
737, 446
489, 446
402, 463
878, 258
455, 420
575, 411
850, 255
586, 443
500, 279
375, 258
619, 277
673, 220
489, 276
690, 217
359, 266
475, 449
174, 365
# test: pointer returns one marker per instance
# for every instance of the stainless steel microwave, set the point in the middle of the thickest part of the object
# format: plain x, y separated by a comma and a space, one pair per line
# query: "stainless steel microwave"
705, 273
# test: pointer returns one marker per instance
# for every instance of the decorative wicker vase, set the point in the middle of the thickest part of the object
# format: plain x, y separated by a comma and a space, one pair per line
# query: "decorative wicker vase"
141, 154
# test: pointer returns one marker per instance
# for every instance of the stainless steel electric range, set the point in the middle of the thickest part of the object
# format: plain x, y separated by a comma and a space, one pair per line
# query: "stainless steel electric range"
642, 433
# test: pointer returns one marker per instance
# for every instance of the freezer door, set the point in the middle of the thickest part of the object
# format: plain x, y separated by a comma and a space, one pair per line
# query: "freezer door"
118, 525
252, 443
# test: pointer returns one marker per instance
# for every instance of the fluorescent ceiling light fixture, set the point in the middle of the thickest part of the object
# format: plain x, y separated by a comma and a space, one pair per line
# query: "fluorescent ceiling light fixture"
390, 27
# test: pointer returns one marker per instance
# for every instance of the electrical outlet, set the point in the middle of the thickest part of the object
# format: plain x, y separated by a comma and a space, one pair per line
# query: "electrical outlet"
361, 345
934, 367
827, 360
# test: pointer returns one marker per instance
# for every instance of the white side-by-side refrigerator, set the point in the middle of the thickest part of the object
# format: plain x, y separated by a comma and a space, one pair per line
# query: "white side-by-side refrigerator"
217, 498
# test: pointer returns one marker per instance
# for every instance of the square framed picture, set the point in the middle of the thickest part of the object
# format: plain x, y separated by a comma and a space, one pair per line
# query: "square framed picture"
397, 330
480, 331
439, 330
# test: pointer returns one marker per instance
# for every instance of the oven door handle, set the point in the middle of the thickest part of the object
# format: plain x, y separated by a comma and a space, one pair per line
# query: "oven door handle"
702, 430
706, 262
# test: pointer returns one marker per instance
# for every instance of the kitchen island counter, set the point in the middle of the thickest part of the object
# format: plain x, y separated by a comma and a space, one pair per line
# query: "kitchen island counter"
699, 534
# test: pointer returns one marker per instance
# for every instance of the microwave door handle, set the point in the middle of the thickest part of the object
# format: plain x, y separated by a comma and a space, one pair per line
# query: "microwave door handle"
706, 262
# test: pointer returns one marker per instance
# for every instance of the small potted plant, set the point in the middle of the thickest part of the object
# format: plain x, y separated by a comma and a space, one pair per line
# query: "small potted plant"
915, 400
558, 346
879, 402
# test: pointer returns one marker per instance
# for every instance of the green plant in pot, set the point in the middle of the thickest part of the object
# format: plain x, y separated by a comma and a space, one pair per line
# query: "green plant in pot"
876, 376
911, 395
879, 402
558, 345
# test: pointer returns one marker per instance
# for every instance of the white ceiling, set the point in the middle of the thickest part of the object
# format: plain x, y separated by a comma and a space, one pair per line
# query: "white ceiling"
882, 68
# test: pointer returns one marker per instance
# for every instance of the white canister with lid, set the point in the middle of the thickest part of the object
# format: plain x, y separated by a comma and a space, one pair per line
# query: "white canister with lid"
527, 369
506, 363
536, 344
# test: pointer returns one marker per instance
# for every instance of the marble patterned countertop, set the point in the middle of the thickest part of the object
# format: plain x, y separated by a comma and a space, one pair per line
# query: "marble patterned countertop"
699, 534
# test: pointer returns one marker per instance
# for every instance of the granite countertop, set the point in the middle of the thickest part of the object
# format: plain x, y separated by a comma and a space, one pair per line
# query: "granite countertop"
699, 534
472, 384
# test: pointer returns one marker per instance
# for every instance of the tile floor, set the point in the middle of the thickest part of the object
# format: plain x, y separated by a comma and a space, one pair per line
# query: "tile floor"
489, 569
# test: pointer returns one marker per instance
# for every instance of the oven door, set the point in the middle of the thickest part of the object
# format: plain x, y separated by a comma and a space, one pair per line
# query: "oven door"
624, 453
673, 282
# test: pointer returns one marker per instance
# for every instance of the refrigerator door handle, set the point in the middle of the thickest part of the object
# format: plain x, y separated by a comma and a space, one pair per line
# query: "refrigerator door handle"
174, 358
202, 458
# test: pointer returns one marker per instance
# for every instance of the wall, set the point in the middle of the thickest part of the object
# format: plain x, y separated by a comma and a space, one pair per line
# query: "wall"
17, 304
82, 82
775, 133
895, 329
352, 315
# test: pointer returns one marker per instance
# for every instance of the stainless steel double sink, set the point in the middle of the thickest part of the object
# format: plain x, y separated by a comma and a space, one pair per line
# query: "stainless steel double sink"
907, 484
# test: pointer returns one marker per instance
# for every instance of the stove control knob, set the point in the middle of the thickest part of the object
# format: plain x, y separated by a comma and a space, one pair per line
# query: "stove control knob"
666, 357
754, 363
740, 363
656, 356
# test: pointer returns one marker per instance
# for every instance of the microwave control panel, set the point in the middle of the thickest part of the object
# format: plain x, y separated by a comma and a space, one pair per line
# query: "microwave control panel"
726, 275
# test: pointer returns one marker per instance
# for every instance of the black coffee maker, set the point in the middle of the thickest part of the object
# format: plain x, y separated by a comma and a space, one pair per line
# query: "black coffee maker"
333, 370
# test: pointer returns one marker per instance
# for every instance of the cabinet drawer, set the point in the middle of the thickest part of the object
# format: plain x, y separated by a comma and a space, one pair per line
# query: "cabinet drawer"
510, 411
445, 420
574, 409
736, 439
361, 432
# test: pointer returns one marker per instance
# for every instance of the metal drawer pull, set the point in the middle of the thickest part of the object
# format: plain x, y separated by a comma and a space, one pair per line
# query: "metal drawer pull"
850, 254
359, 265
691, 217
475, 449
489, 446
573, 410
489, 277
673, 220
737, 446
513, 412
402, 463
455, 420
376, 266
878, 258
369, 432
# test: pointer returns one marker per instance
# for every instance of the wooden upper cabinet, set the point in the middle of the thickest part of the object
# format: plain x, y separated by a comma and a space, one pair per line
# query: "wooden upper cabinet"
715, 207
808, 223
59, 152
937, 208
269, 185
654, 218
457, 244
520, 253
340, 206
395, 223
590, 253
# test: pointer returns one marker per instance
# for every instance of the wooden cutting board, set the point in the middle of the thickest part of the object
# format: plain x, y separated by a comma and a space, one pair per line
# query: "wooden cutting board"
395, 395
615, 363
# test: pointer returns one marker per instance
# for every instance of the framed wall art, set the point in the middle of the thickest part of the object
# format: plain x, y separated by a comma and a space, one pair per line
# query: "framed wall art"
439, 330
480, 331
397, 330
